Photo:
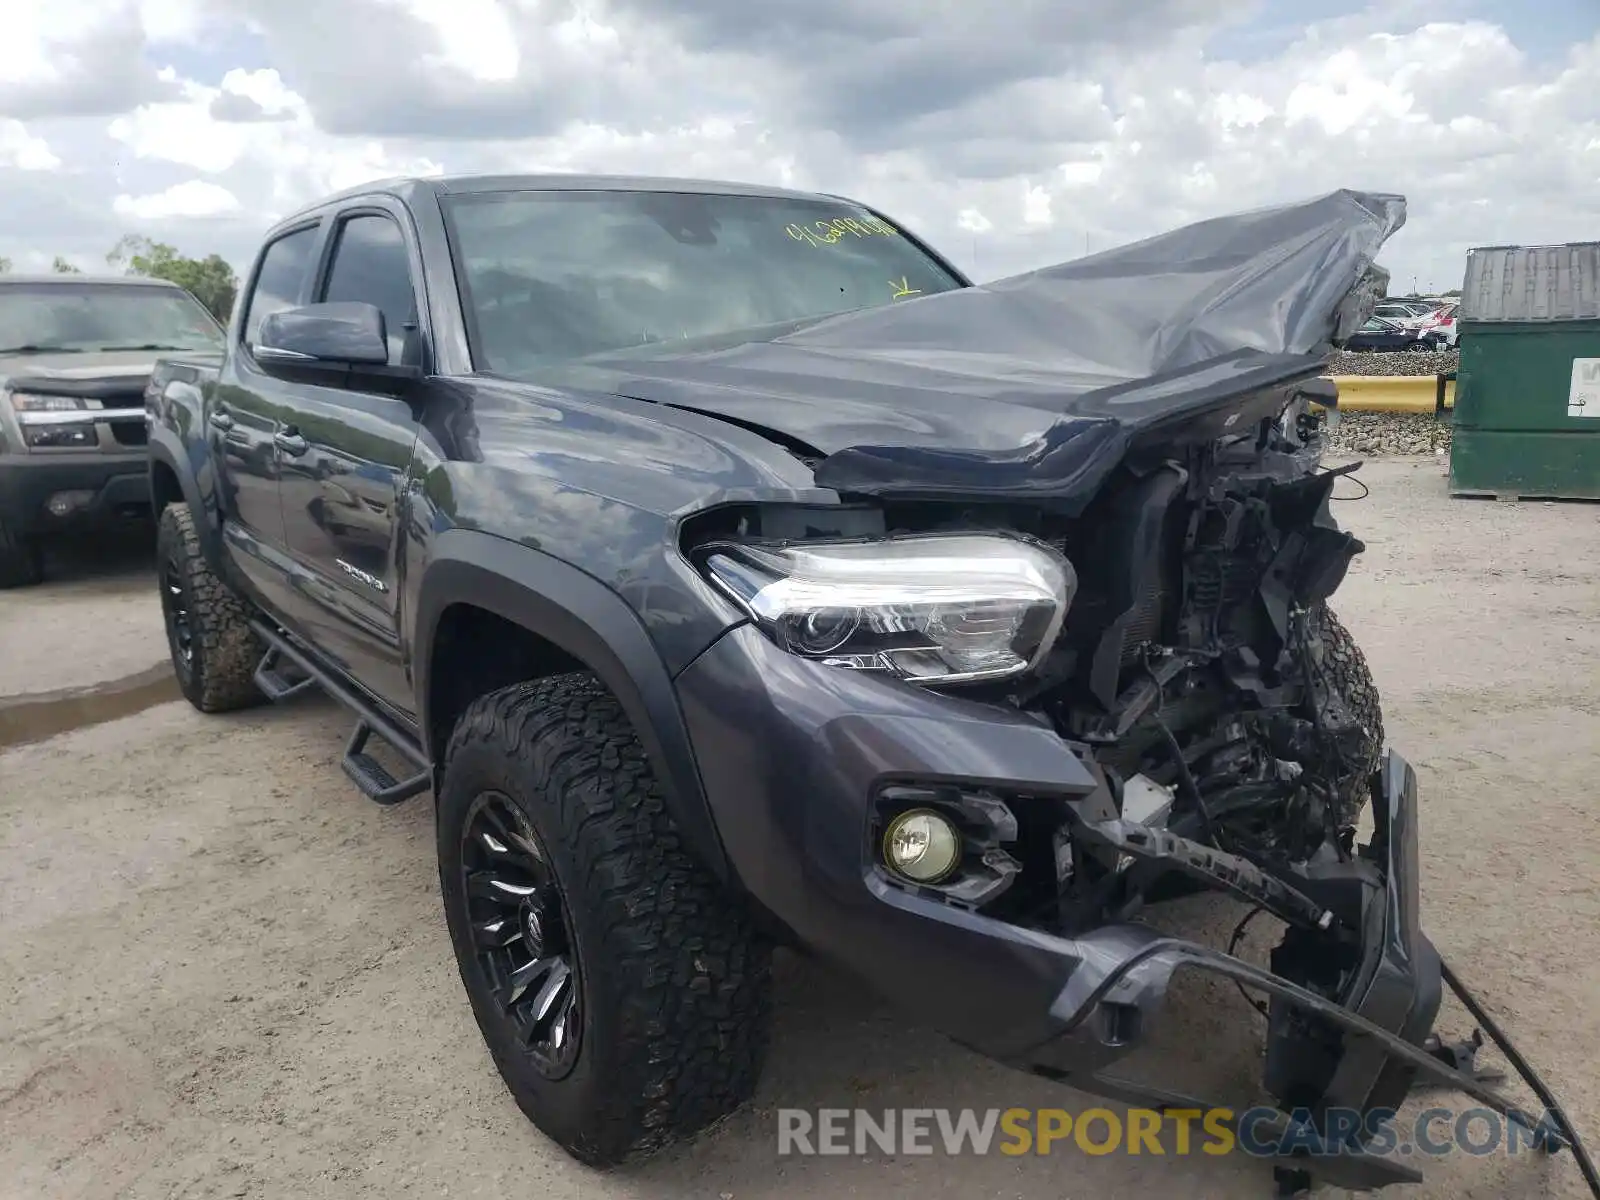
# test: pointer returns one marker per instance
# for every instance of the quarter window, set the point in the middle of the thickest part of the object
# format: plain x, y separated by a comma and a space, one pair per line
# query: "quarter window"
281, 279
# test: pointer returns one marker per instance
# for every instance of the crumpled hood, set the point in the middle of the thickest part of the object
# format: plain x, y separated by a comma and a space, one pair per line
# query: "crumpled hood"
1035, 384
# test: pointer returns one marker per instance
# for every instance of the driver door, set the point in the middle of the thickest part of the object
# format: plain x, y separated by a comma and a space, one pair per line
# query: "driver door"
245, 417
345, 457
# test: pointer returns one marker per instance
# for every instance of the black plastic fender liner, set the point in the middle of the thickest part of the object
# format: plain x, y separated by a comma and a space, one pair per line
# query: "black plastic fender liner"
205, 523
580, 615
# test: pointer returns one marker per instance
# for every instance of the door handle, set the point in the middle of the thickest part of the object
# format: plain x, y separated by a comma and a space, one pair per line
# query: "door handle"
291, 443
221, 420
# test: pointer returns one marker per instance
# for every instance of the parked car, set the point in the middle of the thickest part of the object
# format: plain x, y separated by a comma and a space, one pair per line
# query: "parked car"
735, 572
1409, 313
1380, 333
1441, 324
75, 355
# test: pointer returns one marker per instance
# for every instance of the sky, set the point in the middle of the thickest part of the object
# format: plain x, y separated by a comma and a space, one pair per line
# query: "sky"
1009, 133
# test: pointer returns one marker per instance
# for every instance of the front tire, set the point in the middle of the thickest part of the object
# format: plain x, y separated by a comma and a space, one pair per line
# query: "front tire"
1345, 677
21, 562
624, 996
214, 651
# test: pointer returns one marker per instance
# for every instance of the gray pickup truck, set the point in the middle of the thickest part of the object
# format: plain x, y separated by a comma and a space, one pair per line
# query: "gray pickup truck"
75, 355
734, 573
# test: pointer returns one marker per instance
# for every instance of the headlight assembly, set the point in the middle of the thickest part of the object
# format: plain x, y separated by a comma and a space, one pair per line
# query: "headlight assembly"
937, 609
28, 402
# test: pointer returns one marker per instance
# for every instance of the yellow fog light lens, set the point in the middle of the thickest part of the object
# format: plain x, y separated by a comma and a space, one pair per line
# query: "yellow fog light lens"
922, 845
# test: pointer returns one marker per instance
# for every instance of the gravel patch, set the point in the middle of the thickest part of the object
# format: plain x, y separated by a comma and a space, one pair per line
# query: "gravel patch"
1393, 362
1390, 433
1370, 434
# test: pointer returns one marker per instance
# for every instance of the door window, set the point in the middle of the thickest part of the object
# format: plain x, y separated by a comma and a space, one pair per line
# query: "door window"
370, 265
278, 284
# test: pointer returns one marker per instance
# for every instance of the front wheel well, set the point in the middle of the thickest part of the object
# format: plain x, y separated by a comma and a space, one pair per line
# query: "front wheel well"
484, 652
165, 488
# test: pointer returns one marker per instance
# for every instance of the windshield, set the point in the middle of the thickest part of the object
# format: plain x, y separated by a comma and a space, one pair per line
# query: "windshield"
556, 275
87, 317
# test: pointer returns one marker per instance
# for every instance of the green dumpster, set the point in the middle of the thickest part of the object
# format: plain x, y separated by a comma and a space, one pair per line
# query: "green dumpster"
1527, 411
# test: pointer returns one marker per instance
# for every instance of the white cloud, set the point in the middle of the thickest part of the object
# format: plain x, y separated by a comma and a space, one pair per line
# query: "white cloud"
476, 38
193, 199
171, 20
973, 221
34, 33
1020, 137
1036, 207
19, 148
299, 161
265, 88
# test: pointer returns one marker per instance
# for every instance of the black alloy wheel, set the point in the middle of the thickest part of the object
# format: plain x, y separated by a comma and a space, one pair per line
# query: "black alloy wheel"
175, 609
520, 933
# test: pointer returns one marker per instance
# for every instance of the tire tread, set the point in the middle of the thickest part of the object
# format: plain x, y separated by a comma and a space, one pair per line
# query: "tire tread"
691, 980
229, 650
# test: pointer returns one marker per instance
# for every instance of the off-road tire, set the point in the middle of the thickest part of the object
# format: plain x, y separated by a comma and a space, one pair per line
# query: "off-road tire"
21, 563
675, 980
1342, 671
220, 677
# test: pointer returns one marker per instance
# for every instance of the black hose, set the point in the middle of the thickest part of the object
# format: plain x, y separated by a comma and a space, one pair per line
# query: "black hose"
1529, 1076
1233, 943
1186, 777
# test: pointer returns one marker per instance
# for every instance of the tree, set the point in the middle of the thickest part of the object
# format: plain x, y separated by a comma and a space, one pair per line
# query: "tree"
5, 264
62, 267
211, 280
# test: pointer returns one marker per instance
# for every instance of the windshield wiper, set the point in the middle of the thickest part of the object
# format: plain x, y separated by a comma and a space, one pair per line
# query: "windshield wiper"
32, 349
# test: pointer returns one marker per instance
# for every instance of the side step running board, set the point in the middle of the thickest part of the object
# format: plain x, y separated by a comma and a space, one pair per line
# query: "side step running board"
270, 679
372, 777
366, 772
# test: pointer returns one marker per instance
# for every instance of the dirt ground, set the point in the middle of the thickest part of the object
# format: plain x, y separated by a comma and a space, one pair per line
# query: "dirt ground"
224, 974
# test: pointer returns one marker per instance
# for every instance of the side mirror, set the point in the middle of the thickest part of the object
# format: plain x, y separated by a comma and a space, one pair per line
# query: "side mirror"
341, 334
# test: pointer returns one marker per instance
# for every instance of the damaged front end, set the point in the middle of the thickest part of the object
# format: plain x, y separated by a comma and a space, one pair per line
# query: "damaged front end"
1142, 592
1230, 741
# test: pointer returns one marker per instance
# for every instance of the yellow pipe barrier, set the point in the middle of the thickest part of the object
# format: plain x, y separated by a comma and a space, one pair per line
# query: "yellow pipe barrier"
1392, 393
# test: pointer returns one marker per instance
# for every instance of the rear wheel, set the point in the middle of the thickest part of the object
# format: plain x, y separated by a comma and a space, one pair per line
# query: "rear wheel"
214, 651
624, 997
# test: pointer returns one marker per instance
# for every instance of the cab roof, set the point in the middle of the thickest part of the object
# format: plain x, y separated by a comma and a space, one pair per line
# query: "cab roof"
408, 187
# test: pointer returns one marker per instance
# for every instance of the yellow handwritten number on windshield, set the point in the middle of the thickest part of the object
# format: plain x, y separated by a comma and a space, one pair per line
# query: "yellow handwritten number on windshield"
903, 287
830, 233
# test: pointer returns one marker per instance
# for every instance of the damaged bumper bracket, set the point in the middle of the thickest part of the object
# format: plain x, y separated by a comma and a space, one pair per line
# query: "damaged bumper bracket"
1384, 1023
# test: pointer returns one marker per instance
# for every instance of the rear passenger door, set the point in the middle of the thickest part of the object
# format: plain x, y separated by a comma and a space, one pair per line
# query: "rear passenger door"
346, 455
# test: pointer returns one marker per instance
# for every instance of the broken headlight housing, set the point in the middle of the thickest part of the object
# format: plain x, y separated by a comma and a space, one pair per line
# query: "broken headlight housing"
936, 609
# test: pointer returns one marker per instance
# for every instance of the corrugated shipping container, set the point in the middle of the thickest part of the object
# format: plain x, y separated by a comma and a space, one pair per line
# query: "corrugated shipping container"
1527, 411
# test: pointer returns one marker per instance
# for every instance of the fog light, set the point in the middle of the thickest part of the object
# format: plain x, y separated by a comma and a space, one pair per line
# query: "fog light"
922, 845
64, 503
